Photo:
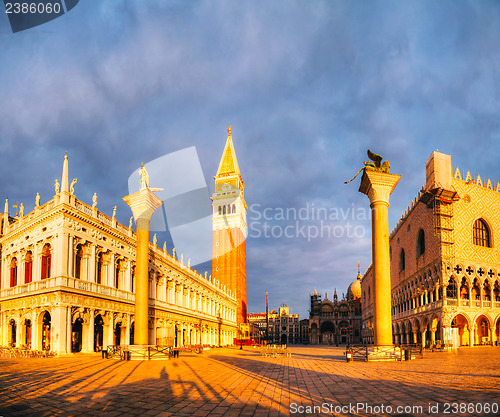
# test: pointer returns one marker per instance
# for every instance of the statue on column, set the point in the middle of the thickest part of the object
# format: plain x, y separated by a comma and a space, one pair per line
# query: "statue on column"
57, 187
37, 200
130, 222
154, 239
21, 210
376, 165
144, 177
114, 212
94, 200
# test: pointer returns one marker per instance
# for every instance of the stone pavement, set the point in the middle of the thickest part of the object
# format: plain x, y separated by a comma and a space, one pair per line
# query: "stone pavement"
232, 382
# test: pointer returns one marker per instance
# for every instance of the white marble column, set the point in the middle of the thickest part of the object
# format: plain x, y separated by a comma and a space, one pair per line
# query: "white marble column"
71, 257
59, 329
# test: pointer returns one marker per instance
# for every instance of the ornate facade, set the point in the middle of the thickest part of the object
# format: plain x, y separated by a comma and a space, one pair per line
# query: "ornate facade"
67, 283
445, 262
284, 328
336, 321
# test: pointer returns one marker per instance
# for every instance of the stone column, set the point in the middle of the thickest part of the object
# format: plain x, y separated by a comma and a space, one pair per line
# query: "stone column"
89, 339
20, 276
127, 331
143, 203
71, 256
111, 271
92, 271
378, 186
69, 330
60, 252
128, 277
19, 329
59, 329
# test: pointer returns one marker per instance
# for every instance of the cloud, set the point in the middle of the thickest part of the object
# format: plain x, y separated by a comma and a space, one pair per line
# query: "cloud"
307, 87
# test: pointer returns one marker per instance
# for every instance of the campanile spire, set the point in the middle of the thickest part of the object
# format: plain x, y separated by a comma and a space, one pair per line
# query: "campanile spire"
230, 228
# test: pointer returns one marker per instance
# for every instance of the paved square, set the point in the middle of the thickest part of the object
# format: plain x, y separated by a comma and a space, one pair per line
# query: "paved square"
233, 382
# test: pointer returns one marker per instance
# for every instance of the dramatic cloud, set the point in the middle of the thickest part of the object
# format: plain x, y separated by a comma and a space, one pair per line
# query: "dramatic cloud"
307, 87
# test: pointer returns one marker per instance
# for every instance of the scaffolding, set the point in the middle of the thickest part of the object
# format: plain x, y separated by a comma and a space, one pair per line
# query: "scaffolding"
441, 201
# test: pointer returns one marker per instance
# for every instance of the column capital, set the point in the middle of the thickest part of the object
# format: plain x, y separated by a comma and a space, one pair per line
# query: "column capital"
378, 186
143, 203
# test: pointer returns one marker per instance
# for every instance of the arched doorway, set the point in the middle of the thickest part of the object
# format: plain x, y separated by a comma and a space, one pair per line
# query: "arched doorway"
98, 333
117, 334
482, 334
132, 330
76, 335
283, 339
409, 333
344, 332
46, 321
460, 322
27, 333
12, 332
418, 331
436, 330
327, 330
427, 336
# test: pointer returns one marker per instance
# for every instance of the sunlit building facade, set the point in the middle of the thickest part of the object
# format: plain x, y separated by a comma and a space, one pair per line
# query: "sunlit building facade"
445, 262
67, 283
277, 326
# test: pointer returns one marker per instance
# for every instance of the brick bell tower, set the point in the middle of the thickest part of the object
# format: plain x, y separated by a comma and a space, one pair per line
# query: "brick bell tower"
229, 250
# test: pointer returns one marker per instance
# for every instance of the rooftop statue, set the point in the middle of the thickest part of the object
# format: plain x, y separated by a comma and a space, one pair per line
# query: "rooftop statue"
375, 165
72, 186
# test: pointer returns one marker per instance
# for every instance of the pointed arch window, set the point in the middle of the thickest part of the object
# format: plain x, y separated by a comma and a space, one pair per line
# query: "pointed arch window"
13, 272
464, 290
486, 291
234, 208
481, 234
224, 210
496, 291
421, 243
402, 263
220, 210
28, 267
46, 261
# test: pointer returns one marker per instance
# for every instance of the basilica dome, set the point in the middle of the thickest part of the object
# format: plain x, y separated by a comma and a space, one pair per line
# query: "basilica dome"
354, 290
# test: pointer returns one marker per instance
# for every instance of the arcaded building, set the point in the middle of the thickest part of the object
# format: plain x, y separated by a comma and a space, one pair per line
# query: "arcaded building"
67, 282
336, 321
445, 262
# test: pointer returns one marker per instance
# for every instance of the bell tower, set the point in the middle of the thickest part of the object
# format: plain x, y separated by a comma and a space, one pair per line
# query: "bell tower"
229, 250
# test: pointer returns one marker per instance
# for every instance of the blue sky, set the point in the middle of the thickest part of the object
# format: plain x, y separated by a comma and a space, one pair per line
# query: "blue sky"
307, 86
